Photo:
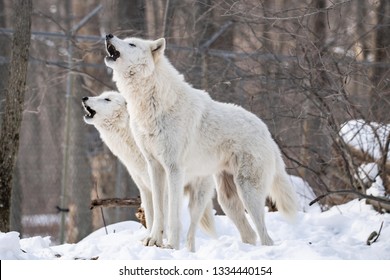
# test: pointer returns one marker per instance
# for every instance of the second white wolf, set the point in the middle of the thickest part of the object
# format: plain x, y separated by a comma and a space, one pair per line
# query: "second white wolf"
108, 113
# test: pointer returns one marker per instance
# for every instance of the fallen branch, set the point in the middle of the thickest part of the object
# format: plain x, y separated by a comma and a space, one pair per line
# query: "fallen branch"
374, 236
359, 194
116, 202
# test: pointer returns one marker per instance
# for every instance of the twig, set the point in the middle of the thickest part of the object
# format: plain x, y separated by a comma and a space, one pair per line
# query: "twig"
359, 194
383, 164
216, 35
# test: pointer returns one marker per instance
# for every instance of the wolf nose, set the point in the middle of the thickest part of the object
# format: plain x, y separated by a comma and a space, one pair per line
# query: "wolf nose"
109, 36
85, 98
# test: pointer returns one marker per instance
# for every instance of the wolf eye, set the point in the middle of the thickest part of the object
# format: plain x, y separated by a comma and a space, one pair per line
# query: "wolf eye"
107, 99
131, 45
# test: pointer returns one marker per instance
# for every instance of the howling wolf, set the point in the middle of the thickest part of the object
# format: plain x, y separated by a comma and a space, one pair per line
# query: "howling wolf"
108, 113
183, 134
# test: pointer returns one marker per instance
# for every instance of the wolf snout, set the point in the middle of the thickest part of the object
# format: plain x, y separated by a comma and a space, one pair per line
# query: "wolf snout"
85, 98
109, 36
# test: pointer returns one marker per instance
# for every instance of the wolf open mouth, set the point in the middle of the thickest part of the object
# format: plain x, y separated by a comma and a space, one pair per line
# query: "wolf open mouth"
89, 112
111, 50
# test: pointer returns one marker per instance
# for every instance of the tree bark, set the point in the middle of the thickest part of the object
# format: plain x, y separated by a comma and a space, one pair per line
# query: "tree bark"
14, 95
5, 46
380, 96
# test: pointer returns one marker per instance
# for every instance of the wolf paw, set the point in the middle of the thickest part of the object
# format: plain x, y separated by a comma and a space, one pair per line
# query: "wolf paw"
267, 242
190, 245
150, 241
250, 239
167, 246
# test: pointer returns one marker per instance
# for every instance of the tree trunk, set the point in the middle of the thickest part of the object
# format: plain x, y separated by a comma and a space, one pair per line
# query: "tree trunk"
316, 144
12, 118
5, 46
380, 96
132, 17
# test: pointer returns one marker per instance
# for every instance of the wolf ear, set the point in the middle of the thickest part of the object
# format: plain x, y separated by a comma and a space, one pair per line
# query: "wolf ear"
158, 47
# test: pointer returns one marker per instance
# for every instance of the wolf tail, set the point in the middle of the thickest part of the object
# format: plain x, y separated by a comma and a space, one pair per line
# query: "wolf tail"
207, 220
284, 195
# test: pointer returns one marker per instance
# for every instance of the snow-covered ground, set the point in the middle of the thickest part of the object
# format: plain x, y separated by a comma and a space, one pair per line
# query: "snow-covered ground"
339, 233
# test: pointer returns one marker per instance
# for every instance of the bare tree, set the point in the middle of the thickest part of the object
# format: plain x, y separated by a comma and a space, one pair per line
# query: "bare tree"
10, 129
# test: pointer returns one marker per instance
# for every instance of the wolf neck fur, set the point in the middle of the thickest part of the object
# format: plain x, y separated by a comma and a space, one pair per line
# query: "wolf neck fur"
115, 128
153, 94
121, 142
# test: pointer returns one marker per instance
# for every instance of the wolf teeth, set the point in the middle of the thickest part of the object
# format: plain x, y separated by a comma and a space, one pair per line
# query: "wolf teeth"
112, 52
89, 112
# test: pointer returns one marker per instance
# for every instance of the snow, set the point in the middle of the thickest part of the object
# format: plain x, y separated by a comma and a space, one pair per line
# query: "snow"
339, 233
305, 194
369, 173
368, 137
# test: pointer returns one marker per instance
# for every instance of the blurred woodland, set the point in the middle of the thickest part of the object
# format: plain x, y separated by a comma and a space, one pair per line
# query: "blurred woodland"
303, 66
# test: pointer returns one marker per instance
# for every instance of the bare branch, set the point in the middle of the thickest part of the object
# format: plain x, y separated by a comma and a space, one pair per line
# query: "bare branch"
216, 35
354, 192
116, 202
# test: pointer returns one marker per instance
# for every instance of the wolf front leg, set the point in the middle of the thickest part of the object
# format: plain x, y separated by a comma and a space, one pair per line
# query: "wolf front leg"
157, 180
175, 190
146, 199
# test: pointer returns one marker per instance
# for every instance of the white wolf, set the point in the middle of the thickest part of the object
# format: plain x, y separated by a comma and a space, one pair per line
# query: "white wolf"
183, 133
108, 113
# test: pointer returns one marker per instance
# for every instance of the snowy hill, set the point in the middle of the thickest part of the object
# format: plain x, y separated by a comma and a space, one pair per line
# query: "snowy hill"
339, 233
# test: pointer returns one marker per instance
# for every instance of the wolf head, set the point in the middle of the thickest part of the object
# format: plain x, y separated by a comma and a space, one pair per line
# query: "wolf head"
106, 110
133, 56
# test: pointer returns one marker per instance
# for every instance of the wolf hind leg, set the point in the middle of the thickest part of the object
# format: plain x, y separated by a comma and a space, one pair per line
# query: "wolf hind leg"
253, 193
232, 206
200, 192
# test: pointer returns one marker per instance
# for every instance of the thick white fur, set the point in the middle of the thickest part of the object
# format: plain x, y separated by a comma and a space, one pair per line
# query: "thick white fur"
113, 123
183, 133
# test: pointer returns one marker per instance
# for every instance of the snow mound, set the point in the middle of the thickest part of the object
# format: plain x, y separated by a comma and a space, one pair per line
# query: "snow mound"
337, 234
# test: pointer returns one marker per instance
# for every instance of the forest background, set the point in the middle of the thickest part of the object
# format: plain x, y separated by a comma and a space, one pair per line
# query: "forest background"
304, 67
